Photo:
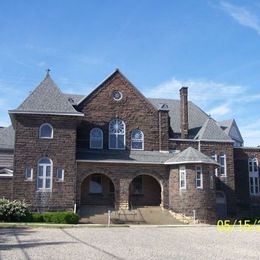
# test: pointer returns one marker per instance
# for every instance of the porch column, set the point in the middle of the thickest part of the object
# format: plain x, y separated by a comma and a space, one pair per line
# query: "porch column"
122, 195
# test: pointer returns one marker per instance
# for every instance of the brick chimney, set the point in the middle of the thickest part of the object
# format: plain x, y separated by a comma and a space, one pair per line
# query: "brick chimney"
184, 112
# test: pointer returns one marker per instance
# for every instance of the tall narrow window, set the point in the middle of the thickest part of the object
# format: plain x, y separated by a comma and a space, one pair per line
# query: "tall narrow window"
223, 166
95, 184
215, 158
182, 177
96, 138
46, 131
117, 134
137, 185
137, 140
253, 176
28, 174
199, 177
44, 174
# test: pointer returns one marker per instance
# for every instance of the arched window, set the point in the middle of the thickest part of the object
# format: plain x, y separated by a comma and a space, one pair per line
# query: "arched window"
96, 138
137, 140
253, 176
46, 131
116, 134
44, 174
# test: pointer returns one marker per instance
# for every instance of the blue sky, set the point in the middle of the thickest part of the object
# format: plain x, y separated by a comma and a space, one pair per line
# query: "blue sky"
210, 46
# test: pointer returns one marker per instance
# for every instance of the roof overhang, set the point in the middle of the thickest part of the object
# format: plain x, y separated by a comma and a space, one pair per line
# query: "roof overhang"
118, 162
191, 162
44, 113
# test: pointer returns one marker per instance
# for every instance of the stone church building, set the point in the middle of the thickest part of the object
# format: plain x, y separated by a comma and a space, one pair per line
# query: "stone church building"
116, 147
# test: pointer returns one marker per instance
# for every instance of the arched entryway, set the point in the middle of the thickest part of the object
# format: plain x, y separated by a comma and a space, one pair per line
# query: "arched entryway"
97, 189
221, 205
144, 190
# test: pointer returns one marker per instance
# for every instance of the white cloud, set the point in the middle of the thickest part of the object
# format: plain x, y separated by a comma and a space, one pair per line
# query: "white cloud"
202, 91
242, 16
220, 110
251, 133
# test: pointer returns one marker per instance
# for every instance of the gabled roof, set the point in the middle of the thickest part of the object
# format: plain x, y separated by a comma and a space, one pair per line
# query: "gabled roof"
231, 129
211, 131
46, 99
191, 156
197, 117
113, 74
7, 138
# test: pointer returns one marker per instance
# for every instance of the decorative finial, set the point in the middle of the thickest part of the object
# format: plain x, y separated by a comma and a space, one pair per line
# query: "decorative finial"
48, 71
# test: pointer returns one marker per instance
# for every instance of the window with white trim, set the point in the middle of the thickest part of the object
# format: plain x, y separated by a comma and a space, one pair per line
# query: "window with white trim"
60, 174
223, 165
46, 131
199, 177
222, 161
137, 140
253, 176
96, 138
182, 177
215, 158
28, 174
44, 174
117, 134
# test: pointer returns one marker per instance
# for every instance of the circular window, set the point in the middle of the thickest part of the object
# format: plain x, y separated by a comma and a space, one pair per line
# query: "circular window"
117, 95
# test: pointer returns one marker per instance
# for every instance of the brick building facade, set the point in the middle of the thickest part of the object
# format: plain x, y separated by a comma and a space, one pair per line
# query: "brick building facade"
116, 147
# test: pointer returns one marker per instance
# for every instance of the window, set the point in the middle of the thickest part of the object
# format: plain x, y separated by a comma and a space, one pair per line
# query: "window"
222, 162
95, 184
211, 181
44, 175
60, 174
253, 176
222, 169
137, 185
182, 177
199, 177
116, 134
46, 131
215, 158
28, 174
137, 140
96, 138
117, 95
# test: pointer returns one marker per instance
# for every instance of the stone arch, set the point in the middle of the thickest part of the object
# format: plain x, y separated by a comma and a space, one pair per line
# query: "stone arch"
97, 189
145, 189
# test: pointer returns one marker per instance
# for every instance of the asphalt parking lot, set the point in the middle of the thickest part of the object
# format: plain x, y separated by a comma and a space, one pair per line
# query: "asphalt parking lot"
129, 243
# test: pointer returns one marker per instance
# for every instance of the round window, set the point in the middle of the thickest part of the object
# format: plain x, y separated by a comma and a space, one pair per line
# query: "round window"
117, 95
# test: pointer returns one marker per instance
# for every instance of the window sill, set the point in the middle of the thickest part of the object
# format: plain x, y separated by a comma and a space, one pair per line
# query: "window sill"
44, 190
28, 180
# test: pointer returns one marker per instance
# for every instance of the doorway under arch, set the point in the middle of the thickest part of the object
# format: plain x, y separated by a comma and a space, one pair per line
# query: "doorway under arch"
221, 205
97, 189
144, 190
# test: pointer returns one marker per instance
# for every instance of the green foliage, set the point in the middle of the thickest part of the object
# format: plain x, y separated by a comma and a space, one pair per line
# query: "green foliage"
17, 211
56, 217
13, 210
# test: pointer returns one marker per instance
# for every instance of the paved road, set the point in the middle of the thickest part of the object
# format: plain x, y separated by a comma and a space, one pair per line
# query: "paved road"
129, 243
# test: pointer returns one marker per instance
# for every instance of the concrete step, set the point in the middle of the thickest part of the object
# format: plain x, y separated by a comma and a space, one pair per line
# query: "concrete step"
140, 215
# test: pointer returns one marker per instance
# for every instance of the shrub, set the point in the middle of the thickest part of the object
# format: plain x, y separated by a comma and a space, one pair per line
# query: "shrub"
56, 217
13, 210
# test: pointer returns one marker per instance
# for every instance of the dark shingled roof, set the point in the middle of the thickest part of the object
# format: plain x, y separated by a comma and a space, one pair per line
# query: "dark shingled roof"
7, 135
196, 118
112, 156
212, 131
190, 156
74, 99
47, 99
